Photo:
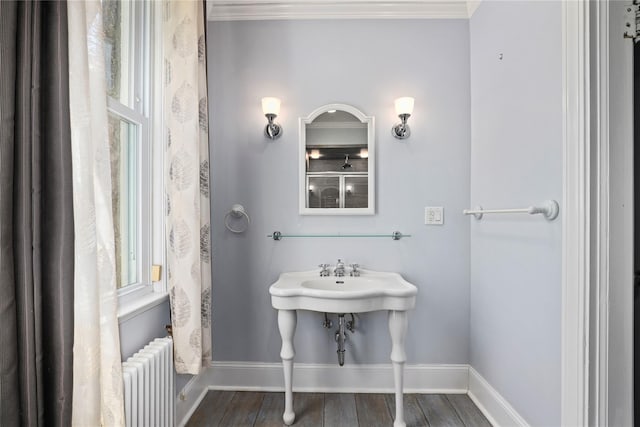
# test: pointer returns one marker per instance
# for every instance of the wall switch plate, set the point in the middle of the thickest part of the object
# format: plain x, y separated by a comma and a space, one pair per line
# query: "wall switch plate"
434, 215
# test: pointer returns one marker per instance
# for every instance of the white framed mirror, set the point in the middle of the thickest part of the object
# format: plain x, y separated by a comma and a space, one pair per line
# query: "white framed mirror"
337, 162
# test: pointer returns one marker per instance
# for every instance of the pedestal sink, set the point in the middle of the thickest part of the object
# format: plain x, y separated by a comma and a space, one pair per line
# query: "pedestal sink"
371, 291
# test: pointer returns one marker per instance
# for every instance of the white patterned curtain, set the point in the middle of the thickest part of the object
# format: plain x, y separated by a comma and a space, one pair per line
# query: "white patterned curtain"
97, 378
187, 172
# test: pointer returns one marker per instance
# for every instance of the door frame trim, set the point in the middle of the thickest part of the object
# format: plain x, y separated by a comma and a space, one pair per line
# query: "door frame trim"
599, 351
576, 214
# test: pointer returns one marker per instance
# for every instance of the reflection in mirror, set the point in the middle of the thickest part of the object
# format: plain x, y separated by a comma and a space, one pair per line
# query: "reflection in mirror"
337, 170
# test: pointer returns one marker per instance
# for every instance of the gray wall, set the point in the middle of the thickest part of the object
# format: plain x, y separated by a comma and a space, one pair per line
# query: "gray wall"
516, 160
367, 64
138, 331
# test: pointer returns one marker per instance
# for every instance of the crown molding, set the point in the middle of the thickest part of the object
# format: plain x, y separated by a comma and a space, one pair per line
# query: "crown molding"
472, 6
254, 10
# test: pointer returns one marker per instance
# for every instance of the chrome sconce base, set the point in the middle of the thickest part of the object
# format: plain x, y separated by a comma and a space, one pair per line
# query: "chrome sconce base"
402, 129
273, 130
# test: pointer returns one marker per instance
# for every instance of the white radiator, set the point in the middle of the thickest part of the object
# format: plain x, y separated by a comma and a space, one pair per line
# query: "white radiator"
149, 391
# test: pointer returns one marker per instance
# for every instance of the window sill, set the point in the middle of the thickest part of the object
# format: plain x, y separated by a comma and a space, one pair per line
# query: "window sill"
134, 307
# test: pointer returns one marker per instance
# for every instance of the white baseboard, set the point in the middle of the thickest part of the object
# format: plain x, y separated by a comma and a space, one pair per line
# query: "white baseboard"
309, 377
497, 410
190, 397
326, 378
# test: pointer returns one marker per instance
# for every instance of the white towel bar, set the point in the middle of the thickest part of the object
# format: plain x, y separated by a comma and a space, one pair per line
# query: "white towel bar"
548, 208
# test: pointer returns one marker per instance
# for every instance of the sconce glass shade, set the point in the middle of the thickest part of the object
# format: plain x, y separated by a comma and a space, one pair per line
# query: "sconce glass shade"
315, 154
404, 105
271, 109
404, 109
271, 105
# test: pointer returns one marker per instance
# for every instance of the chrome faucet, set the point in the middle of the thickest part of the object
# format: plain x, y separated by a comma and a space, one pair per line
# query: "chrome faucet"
339, 270
325, 270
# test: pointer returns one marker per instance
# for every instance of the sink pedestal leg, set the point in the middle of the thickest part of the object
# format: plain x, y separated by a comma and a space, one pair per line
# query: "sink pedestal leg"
398, 330
287, 325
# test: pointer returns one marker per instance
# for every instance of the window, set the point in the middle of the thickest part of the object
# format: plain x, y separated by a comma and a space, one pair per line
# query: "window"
132, 118
124, 148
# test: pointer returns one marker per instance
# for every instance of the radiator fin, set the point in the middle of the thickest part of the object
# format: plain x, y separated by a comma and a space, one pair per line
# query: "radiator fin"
149, 389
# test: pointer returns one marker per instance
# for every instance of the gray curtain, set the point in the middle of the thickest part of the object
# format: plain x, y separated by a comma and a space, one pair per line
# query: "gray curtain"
36, 216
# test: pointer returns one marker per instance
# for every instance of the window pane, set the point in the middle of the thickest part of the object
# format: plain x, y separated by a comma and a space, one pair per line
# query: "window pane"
324, 192
356, 191
124, 196
118, 46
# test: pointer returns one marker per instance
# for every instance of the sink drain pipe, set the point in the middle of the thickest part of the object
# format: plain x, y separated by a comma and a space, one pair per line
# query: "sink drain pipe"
341, 338
341, 334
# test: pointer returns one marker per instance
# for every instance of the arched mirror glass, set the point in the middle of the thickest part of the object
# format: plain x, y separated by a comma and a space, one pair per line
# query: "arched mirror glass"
337, 162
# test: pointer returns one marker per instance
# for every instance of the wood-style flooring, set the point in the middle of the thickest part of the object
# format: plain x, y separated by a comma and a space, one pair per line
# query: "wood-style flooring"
258, 409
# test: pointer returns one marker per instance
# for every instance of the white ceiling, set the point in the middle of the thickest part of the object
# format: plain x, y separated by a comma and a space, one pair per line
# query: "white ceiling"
238, 10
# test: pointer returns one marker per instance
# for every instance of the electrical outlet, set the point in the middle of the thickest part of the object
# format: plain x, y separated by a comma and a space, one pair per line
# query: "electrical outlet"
434, 215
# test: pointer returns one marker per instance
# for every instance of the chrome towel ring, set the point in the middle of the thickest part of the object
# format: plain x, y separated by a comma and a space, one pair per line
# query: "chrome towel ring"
237, 212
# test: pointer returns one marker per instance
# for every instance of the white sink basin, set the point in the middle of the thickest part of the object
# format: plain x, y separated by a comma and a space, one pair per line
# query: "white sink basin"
371, 291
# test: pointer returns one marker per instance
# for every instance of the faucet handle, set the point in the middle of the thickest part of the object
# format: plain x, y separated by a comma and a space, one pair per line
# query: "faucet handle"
325, 270
354, 270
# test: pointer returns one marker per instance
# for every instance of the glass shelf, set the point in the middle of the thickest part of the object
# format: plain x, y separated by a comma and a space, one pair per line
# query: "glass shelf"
396, 235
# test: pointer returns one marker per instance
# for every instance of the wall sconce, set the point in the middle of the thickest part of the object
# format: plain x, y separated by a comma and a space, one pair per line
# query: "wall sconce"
404, 108
271, 109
